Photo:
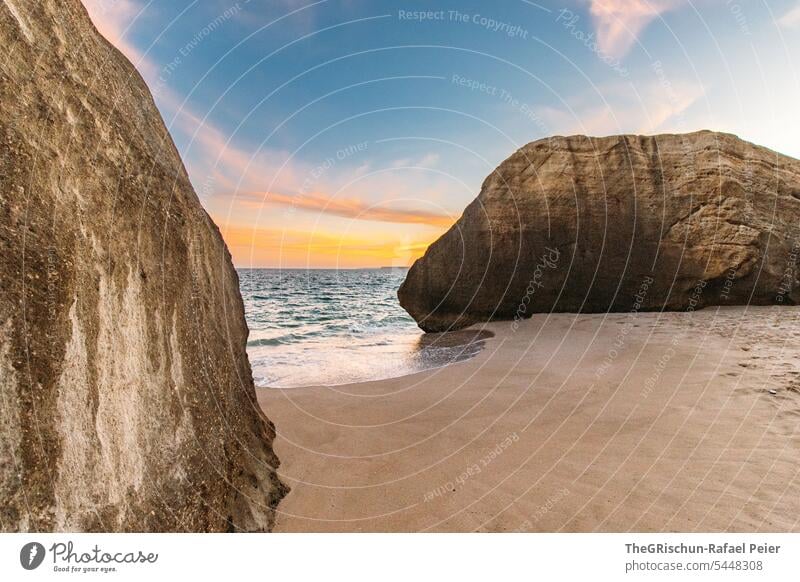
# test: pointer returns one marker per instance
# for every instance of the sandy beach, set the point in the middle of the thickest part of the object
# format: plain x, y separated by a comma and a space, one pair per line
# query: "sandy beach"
619, 422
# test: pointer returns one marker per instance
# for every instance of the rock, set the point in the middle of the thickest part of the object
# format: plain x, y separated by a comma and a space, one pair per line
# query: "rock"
127, 402
623, 223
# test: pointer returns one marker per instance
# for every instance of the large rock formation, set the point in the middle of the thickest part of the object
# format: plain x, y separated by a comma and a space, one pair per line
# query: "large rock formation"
618, 223
126, 399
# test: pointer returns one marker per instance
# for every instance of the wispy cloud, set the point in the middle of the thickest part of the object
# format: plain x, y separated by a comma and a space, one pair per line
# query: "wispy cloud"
426, 161
114, 19
791, 19
619, 22
233, 166
211, 150
663, 108
351, 208
627, 108
268, 177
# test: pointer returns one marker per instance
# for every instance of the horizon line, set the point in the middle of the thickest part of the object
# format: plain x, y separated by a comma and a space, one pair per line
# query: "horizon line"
386, 267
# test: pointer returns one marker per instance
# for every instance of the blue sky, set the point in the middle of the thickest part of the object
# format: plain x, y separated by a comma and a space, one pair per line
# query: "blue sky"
352, 133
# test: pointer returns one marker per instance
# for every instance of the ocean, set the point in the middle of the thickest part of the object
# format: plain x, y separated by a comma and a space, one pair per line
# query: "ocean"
330, 327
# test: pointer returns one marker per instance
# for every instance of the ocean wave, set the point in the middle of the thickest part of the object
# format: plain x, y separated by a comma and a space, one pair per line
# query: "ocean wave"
334, 327
264, 342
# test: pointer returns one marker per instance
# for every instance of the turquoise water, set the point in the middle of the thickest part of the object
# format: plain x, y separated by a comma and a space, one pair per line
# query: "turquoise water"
331, 327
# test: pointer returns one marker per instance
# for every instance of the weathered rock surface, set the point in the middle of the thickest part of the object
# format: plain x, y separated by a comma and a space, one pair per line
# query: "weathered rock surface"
126, 398
581, 224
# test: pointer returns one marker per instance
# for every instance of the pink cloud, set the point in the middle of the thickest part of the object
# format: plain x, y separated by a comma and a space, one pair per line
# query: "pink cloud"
237, 171
791, 19
647, 108
350, 208
619, 22
113, 19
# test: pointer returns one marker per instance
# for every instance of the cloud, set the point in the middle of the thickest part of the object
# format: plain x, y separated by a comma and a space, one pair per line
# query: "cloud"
627, 108
232, 177
113, 19
233, 166
351, 208
619, 22
664, 107
211, 153
211, 150
426, 161
249, 180
791, 19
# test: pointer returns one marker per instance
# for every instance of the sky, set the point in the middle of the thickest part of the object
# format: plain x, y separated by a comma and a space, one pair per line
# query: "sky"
352, 133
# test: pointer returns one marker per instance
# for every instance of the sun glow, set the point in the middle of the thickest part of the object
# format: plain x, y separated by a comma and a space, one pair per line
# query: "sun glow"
268, 247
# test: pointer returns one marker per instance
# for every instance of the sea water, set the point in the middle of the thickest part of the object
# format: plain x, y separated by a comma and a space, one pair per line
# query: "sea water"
329, 327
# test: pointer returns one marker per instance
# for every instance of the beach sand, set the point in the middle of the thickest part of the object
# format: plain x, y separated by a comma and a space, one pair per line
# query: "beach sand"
618, 422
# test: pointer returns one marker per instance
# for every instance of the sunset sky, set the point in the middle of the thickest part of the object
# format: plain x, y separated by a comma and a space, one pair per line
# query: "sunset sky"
353, 133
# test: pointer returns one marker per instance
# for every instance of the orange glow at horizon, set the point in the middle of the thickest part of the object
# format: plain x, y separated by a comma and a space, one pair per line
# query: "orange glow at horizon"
265, 247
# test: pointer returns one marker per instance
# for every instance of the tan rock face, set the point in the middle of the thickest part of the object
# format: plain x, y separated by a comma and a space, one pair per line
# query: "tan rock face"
126, 398
580, 224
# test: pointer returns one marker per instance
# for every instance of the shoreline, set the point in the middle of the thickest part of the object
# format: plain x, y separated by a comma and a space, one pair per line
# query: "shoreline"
656, 421
465, 343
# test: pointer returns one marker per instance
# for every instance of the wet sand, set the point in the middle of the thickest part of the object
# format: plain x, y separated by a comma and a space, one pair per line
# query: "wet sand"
618, 422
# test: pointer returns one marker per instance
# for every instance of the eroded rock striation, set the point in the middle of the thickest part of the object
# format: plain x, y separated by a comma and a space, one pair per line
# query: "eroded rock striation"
126, 398
623, 223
